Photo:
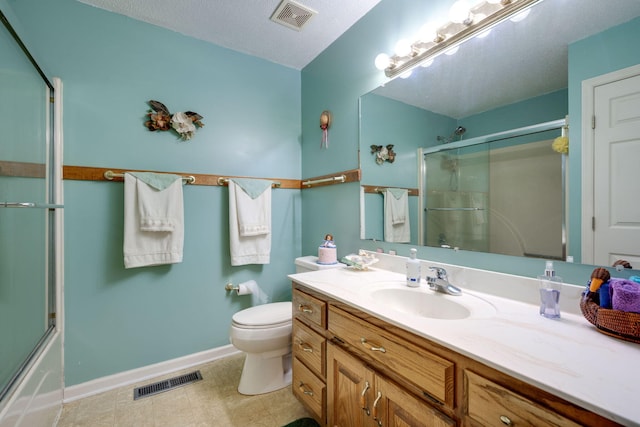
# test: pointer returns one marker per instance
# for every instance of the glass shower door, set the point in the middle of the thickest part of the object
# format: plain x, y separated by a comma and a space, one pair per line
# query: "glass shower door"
457, 187
27, 208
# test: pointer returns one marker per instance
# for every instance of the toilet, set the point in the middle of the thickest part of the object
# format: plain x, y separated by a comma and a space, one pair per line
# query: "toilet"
263, 332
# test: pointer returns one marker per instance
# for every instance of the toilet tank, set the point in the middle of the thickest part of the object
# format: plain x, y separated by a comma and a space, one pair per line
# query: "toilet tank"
308, 263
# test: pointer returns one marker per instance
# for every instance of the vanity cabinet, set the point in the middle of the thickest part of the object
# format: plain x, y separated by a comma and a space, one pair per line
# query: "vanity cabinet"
360, 396
308, 349
373, 373
490, 404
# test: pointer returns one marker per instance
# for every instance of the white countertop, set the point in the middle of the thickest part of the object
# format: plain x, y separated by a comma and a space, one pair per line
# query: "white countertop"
567, 357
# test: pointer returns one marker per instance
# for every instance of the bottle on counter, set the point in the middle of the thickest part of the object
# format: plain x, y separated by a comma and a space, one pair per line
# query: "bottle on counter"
413, 269
550, 285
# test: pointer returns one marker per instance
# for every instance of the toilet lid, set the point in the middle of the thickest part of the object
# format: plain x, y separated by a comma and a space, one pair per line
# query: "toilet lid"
272, 314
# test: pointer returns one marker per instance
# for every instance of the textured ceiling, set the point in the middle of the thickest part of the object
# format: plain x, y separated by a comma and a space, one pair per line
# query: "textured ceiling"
245, 25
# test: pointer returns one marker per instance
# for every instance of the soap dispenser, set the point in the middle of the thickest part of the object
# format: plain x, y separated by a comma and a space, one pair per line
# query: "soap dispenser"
413, 269
550, 285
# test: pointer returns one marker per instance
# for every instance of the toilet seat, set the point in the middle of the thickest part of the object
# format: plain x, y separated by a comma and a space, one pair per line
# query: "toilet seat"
265, 316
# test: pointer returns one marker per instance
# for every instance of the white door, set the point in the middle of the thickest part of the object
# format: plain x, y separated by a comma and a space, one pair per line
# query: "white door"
616, 174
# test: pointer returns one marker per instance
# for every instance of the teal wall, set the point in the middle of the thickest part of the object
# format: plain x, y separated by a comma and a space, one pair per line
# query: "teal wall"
386, 121
110, 65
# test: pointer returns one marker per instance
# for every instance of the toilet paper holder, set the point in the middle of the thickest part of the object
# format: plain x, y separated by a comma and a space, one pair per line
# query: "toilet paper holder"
231, 287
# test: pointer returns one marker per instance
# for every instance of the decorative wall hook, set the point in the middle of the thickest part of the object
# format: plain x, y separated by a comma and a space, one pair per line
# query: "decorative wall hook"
184, 123
383, 154
325, 124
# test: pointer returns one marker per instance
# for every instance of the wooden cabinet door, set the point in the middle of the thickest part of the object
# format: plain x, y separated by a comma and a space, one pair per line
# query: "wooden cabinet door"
395, 407
350, 389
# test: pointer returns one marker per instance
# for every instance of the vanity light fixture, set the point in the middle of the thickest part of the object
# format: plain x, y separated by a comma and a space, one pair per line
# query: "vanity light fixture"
465, 23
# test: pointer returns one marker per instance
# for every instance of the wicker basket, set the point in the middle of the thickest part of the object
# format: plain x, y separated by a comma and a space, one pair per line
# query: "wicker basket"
619, 324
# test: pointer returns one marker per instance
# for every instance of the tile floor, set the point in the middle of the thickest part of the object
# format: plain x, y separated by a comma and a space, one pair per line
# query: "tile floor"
212, 402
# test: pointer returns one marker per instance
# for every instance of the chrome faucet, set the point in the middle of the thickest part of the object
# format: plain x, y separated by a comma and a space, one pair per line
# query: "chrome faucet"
440, 283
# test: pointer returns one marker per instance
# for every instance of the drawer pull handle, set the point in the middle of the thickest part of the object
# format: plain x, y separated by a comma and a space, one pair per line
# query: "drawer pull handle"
372, 347
305, 347
305, 309
363, 398
505, 420
375, 409
304, 390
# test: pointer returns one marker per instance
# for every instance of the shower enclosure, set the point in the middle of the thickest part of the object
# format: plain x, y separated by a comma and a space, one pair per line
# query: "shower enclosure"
30, 220
501, 193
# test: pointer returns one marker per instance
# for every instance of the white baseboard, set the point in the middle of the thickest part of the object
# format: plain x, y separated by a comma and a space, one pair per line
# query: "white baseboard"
133, 376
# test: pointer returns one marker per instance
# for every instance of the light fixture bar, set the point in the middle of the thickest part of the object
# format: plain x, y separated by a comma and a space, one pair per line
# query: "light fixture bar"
400, 65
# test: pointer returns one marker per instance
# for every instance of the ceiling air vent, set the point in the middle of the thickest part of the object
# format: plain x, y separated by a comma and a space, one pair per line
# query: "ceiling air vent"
292, 14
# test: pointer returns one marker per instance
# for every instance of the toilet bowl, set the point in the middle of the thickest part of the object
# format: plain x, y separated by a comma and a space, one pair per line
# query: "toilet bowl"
263, 332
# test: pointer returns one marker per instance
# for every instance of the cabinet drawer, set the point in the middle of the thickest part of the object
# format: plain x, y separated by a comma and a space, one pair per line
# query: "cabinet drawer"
309, 389
309, 347
492, 405
309, 309
429, 372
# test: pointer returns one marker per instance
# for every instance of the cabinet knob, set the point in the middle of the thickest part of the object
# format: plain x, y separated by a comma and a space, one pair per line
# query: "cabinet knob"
304, 390
305, 309
305, 347
375, 409
372, 347
505, 420
363, 398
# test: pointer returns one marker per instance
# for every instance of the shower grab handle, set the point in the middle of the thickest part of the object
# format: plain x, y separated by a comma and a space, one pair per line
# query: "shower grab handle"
454, 209
29, 205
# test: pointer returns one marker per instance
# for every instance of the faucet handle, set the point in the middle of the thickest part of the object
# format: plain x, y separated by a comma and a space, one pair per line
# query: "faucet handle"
441, 273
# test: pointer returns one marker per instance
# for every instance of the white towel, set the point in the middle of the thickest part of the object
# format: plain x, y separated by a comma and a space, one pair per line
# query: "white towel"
153, 241
249, 226
396, 215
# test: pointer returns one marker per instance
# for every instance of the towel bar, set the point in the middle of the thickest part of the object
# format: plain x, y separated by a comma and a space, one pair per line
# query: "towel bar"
110, 175
222, 181
341, 178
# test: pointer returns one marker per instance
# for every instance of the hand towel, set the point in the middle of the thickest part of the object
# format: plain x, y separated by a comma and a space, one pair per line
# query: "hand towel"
396, 215
156, 206
256, 219
249, 222
625, 295
146, 243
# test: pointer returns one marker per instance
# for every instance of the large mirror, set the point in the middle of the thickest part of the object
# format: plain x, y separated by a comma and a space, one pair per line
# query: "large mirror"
517, 76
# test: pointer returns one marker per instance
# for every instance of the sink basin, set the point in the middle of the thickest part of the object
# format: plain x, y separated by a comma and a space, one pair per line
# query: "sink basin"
426, 303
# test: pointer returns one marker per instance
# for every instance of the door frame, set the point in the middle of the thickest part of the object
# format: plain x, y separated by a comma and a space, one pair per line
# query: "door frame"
588, 147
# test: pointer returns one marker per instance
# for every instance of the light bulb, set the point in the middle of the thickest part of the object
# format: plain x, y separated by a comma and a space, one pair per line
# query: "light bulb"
484, 34
452, 51
403, 47
406, 74
520, 16
428, 32
426, 64
382, 61
460, 12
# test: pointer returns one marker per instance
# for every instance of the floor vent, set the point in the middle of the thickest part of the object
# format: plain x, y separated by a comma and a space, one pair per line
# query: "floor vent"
292, 14
166, 385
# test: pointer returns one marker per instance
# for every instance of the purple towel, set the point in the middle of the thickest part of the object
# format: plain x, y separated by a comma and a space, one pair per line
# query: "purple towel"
625, 295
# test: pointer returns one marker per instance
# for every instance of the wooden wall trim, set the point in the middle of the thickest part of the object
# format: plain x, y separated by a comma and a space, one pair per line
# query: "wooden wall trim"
88, 173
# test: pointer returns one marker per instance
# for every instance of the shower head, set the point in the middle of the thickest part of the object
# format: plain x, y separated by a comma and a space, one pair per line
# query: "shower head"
459, 131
